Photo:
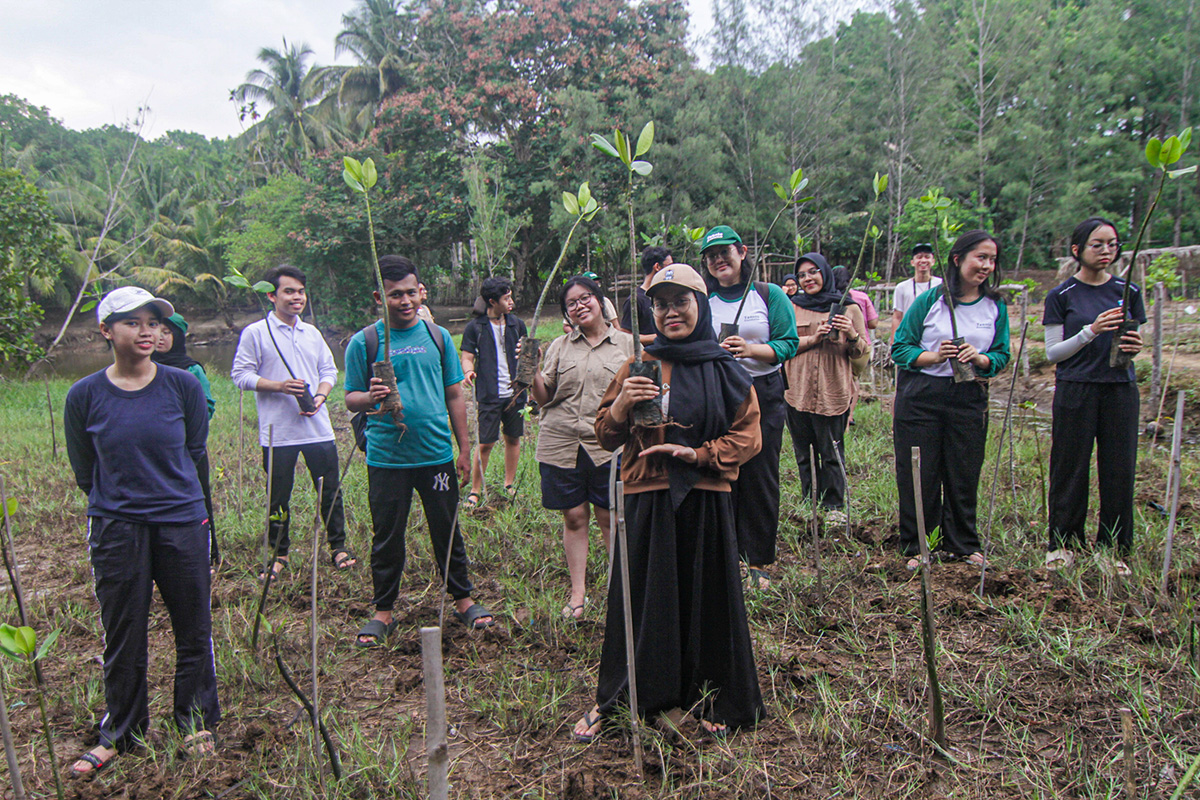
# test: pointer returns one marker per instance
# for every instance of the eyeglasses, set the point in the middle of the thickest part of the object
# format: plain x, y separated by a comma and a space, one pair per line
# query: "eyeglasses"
679, 304
582, 300
812, 273
714, 254
1098, 247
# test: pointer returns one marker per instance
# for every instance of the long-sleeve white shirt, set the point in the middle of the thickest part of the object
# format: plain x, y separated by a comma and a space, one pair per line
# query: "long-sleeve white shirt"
309, 357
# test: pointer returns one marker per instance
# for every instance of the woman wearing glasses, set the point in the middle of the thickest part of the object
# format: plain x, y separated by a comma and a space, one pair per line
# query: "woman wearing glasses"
1093, 402
578, 367
692, 644
765, 339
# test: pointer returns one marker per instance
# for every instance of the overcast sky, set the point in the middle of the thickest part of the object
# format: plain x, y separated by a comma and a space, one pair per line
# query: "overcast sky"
94, 63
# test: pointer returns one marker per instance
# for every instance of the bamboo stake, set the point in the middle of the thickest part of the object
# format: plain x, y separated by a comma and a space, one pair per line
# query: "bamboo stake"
1000, 454
268, 566
10, 749
845, 483
631, 669
1176, 436
816, 538
9, 551
315, 629
437, 751
241, 447
1157, 388
1127, 747
50, 412
937, 719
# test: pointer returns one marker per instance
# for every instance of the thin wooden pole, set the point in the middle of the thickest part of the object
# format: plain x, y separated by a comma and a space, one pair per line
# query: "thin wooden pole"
1012, 386
1127, 747
937, 719
630, 666
845, 483
1025, 321
816, 528
241, 447
1176, 437
50, 412
10, 749
9, 549
437, 751
1157, 389
315, 628
269, 553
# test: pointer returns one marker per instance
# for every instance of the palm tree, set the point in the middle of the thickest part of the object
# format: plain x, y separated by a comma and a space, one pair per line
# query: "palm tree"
192, 256
302, 116
379, 34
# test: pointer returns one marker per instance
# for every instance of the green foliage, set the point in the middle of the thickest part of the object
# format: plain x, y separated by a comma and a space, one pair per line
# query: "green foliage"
271, 215
1165, 270
31, 251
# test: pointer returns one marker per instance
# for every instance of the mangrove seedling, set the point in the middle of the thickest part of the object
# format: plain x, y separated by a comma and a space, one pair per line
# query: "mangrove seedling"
647, 413
583, 207
879, 184
934, 201
796, 184
361, 177
1161, 155
20, 644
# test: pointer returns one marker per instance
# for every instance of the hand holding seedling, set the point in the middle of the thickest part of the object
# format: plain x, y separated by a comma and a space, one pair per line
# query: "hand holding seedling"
839, 322
634, 390
378, 390
1108, 321
685, 454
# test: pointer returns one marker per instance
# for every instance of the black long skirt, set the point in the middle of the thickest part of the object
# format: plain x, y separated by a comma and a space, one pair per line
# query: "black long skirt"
691, 639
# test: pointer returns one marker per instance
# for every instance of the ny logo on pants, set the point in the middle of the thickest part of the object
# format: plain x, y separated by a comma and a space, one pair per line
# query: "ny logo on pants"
441, 482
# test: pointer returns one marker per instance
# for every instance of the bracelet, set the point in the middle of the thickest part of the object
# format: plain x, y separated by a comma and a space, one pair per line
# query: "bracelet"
320, 394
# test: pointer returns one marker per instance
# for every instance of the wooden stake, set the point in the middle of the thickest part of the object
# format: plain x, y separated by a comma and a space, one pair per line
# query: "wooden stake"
315, 627
50, 412
437, 751
9, 550
1127, 746
10, 749
270, 553
816, 528
845, 483
1025, 322
937, 718
630, 666
1176, 436
1156, 372
999, 455
241, 446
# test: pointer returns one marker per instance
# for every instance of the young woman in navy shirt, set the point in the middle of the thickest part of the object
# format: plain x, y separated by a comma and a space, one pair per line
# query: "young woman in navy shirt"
1093, 402
136, 432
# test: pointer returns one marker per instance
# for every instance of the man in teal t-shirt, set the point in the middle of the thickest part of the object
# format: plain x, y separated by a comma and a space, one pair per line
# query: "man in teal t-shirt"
429, 379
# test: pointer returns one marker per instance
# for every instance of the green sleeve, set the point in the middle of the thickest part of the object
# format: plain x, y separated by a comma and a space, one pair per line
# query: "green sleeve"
1000, 352
784, 339
906, 344
198, 371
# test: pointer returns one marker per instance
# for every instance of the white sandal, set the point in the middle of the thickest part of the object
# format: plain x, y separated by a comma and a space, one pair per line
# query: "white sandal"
1060, 559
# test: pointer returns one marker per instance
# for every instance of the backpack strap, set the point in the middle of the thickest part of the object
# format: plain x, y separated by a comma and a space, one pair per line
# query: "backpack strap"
764, 291
371, 333
436, 335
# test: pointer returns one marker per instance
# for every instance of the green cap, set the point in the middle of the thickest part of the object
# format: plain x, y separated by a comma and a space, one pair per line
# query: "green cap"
591, 276
178, 321
719, 235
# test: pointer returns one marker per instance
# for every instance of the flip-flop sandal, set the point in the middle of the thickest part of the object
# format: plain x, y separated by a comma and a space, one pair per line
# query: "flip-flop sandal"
472, 501
201, 744
275, 573
94, 760
569, 610
975, 558
349, 562
757, 576
510, 491
380, 631
913, 564
591, 720
472, 616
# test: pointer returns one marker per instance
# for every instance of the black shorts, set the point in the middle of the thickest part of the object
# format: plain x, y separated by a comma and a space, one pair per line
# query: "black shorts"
563, 489
494, 414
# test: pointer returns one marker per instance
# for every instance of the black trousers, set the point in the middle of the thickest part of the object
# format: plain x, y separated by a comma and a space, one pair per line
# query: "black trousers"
824, 434
390, 495
128, 560
1104, 414
756, 491
948, 421
321, 458
214, 553
692, 647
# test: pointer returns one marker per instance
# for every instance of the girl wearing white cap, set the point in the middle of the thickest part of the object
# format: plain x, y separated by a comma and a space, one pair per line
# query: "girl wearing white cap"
135, 434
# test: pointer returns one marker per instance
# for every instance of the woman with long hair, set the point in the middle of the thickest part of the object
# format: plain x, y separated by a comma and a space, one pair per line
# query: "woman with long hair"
136, 432
577, 368
692, 646
821, 383
1094, 404
765, 339
948, 420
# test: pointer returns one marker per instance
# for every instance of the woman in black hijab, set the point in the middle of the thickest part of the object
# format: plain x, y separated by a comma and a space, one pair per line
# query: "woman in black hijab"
172, 351
692, 642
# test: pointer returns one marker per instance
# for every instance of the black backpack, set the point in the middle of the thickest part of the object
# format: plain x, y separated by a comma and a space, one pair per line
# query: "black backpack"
359, 421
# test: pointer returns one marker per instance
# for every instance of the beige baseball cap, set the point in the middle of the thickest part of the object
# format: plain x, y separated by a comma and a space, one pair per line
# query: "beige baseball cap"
678, 275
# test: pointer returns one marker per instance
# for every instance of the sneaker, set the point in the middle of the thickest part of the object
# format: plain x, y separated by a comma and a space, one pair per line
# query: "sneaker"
1059, 559
835, 518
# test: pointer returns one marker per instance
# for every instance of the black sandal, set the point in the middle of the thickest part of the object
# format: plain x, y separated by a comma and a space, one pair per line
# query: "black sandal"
349, 562
281, 561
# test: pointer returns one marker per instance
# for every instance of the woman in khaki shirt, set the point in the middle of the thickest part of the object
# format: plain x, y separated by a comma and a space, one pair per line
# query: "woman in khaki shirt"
578, 367
821, 384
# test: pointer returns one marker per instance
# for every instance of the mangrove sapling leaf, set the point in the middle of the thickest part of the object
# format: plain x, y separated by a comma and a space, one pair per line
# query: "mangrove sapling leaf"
647, 413
8, 549
879, 184
21, 644
361, 177
583, 207
1160, 155
934, 201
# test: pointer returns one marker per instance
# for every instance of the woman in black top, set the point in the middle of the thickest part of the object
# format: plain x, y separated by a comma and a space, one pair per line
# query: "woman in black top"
1093, 402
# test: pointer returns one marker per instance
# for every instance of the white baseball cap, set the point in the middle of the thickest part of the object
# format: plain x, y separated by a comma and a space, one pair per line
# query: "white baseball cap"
130, 298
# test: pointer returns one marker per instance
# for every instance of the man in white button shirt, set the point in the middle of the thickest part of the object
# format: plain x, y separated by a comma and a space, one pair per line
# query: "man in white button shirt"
280, 359
922, 281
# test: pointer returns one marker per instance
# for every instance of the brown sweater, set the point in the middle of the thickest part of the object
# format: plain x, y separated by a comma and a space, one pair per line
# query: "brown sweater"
718, 459
820, 379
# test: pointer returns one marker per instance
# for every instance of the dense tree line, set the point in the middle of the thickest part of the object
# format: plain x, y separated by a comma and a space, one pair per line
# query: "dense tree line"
1030, 113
